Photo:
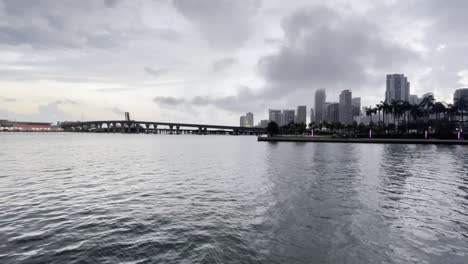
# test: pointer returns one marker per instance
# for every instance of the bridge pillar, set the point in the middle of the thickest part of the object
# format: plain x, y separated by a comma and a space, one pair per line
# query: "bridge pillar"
205, 131
137, 128
199, 130
122, 127
155, 128
170, 128
177, 130
129, 128
114, 127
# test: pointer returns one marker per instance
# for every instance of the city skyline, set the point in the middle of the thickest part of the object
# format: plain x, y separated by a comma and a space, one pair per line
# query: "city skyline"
170, 60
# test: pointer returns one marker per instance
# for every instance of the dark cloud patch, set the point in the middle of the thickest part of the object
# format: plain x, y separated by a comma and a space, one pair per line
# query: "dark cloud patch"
117, 111
447, 20
323, 48
156, 72
224, 23
168, 100
238, 103
111, 3
223, 64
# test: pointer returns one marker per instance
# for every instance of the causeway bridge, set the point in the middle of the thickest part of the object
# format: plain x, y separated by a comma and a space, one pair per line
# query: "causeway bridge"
132, 126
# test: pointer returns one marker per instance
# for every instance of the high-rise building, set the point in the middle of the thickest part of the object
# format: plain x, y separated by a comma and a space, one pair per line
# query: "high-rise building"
243, 121
356, 106
249, 119
320, 98
414, 99
333, 112
460, 93
325, 111
274, 116
346, 107
301, 115
263, 123
312, 116
288, 117
398, 88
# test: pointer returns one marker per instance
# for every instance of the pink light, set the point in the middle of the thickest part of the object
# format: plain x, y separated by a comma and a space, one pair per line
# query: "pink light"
425, 134
459, 135
370, 133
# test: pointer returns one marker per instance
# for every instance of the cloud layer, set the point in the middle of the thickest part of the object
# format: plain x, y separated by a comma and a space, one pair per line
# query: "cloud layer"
169, 59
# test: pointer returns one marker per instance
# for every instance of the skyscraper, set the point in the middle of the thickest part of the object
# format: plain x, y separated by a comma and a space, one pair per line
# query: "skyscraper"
414, 99
312, 115
243, 121
398, 88
356, 106
301, 116
346, 107
333, 112
288, 117
320, 98
460, 93
249, 119
274, 116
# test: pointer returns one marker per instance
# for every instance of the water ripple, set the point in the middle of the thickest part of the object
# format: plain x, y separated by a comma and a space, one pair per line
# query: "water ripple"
96, 198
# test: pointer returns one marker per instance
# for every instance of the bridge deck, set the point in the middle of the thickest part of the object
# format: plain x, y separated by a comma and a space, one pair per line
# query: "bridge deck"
187, 125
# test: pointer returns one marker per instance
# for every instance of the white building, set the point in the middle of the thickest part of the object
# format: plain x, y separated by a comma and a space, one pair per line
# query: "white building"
243, 121
249, 119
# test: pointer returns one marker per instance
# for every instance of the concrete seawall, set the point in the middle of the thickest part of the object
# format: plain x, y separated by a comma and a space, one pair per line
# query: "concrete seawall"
363, 140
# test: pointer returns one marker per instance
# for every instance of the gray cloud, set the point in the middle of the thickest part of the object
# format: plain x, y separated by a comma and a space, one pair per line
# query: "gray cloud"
242, 100
117, 111
224, 23
156, 72
168, 100
325, 49
45, 113
222, 64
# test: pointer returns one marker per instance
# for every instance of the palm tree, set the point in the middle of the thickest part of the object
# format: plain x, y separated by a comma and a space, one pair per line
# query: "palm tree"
405, 108
439, 108
395, 110
379, 108
386, 110
427, 101
451, 111
273, 128
369, 112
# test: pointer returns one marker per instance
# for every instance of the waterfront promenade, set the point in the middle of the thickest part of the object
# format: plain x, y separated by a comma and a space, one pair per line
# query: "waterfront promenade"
321, 139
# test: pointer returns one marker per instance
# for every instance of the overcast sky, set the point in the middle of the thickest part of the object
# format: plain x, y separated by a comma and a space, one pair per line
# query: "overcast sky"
210, 61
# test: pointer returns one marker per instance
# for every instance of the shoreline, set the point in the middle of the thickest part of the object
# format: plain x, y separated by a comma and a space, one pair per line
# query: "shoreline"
363, 140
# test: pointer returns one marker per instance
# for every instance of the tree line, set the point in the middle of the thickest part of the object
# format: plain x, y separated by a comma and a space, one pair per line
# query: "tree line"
396, 117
